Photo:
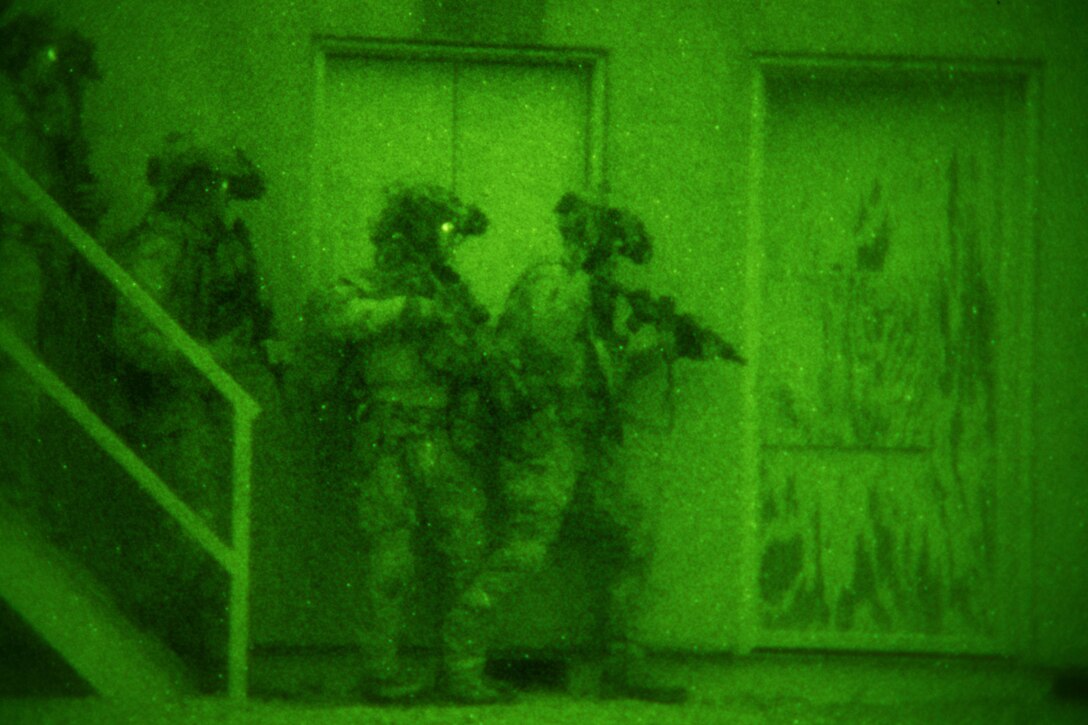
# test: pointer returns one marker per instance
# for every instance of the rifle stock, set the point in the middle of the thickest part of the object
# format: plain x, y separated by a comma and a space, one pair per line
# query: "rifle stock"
693, 340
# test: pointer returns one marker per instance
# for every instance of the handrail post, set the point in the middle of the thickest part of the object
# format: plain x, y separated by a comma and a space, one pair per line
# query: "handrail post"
238, 641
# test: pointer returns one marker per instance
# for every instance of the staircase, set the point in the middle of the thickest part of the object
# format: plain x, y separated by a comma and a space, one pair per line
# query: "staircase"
73, 614
58, 597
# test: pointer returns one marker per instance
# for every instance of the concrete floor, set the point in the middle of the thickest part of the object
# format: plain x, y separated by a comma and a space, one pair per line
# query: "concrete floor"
545, 710
756, 689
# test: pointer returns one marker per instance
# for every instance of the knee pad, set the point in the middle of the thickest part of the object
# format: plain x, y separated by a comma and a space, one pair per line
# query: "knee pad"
525, 556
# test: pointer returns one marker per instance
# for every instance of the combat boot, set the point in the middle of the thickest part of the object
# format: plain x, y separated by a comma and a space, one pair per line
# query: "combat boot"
400, 687
465, 655
628, 676
466, 683
392, 685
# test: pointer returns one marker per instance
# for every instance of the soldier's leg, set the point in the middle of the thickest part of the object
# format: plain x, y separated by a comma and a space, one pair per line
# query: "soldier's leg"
534, 490
20, 397
624, 525
387, 520
453, 503
199, 468
536, 483
19, 413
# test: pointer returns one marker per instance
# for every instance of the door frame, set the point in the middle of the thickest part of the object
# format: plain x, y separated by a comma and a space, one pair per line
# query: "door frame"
1016, 278
594, 59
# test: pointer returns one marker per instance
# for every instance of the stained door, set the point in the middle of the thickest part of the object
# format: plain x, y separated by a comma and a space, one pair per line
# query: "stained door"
894, 214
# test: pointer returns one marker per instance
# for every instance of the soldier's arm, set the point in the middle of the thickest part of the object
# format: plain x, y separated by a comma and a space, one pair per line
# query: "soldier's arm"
136, 338
695, 342
348, 313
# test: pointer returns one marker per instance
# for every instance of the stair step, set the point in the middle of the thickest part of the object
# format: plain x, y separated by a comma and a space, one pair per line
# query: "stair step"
75, 615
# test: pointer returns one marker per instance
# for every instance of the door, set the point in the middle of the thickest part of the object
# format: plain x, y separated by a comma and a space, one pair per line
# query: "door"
894, 214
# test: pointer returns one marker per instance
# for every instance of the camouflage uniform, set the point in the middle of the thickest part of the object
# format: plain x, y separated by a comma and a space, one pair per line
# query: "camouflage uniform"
43, 71
562, 449
632, 333
20, 297
541, 403
202, 272
609, 519
401, 340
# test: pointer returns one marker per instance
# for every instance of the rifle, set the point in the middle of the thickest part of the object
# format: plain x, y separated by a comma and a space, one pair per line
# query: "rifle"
693, 340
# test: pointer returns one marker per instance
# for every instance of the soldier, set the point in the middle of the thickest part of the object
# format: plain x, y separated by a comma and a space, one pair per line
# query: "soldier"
201, 270
20, 297
576, 339
43, 74
398, 345
631, 333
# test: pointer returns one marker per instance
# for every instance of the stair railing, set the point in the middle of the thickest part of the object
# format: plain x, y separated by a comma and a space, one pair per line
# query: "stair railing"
233, 558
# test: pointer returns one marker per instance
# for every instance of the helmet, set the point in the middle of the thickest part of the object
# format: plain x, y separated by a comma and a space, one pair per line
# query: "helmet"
625, 230
603, 231
181, 159
420, 217
47, 70
26, 40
